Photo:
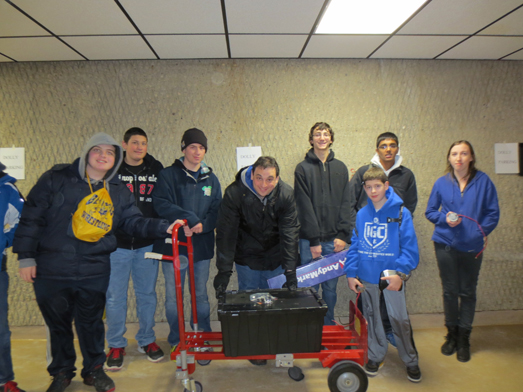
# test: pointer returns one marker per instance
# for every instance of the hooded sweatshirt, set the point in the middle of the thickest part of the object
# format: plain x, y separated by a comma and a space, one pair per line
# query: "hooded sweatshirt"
400, 178
322, 199
44, 237
380, 242
479, 201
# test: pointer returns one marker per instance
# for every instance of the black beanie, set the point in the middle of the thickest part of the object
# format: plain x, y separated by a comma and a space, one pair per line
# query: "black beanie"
194, 135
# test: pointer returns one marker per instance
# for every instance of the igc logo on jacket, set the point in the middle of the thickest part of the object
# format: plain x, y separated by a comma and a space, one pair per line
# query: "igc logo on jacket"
375, 233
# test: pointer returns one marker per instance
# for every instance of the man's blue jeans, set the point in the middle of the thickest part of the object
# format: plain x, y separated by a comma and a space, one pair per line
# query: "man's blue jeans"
124, 263
6, 365
249, 279
201, 275
329, 287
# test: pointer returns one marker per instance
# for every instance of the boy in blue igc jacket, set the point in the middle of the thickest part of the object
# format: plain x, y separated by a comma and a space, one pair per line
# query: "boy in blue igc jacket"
384, 239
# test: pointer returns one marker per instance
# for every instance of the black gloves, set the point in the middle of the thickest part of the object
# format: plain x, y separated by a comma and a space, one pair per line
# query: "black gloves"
292, 281
220, 283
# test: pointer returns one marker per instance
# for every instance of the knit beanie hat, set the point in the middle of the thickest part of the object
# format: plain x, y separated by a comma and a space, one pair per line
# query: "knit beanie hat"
194, 135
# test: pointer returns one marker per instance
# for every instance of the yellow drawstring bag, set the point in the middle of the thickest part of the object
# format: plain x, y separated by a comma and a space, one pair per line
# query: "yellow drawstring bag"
94, 216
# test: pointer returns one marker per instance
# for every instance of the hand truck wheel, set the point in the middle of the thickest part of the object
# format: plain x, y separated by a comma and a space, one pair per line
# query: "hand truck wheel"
198, 387
347, 376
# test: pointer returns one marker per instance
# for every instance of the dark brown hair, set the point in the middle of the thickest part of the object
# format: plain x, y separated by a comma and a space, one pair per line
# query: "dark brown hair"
321, 126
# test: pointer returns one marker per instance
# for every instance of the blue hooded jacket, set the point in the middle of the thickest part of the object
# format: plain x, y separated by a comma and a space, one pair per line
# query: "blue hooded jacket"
479, 201
11, 203
379, 242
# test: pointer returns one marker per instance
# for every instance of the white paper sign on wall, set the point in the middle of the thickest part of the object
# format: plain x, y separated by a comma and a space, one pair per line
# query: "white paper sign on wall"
246, 156
507, 158
14, 161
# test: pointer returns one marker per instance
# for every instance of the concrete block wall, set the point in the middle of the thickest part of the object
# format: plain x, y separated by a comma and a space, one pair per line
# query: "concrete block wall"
52, 108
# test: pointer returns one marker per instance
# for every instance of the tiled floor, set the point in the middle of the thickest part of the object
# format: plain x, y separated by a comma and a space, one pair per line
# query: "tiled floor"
497, 360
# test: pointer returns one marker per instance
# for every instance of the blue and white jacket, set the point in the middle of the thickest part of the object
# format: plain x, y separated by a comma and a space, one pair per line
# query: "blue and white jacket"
11, 203
479, 202
380, 242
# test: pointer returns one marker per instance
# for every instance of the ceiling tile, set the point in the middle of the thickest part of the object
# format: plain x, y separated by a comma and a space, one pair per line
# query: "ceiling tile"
266, 46
457, 17
515, 56
342, 46
272, 16
176, 16
416, 47
189, 46
484, 48
37, 49
78, 17
4, 59
510, 25
111, 47
13, 23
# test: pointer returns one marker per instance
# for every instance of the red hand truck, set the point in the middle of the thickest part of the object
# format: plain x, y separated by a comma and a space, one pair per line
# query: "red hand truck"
344, 348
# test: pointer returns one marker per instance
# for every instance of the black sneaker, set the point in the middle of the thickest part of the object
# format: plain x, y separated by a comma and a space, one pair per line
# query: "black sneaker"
414, 373
60, 382
153, 351
371, 368
115, 359
11, 386
101, 381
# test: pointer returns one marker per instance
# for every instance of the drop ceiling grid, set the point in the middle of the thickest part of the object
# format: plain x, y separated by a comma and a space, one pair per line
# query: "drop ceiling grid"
257, 29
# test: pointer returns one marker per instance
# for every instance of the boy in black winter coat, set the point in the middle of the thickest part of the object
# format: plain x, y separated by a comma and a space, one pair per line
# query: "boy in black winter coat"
70, 276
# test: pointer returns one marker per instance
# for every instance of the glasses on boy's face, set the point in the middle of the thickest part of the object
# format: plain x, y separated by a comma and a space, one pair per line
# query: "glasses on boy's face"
386, 146
319, 134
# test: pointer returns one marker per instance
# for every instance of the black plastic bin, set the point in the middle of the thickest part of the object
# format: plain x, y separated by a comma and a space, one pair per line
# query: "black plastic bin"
292, 323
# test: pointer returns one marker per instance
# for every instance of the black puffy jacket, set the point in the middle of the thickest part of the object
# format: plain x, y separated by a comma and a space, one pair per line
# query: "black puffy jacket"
44, 232
260, 236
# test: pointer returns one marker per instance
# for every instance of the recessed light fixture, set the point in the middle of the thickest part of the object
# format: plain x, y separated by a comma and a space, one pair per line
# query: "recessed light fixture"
366, 16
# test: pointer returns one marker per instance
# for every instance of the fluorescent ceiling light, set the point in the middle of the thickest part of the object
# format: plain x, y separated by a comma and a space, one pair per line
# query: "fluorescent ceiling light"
366, 16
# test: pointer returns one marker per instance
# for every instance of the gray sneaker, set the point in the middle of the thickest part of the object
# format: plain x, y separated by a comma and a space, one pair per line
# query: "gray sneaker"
414, 373
371, 368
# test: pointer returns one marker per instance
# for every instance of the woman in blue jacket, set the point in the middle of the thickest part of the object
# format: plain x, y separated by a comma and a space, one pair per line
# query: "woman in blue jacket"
464, 208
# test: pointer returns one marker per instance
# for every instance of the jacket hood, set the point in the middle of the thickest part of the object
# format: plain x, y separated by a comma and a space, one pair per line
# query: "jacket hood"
397, 163
392, 200
96, 140
314, 158
4, 178
245, 176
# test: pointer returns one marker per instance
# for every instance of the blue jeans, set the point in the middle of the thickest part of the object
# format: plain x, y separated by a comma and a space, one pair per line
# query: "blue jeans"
249, 279
329, 287
201, 275
6, 364
459, 273
124, 263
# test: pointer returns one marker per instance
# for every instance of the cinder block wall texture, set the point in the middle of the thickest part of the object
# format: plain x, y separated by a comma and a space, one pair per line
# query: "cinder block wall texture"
51, 109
